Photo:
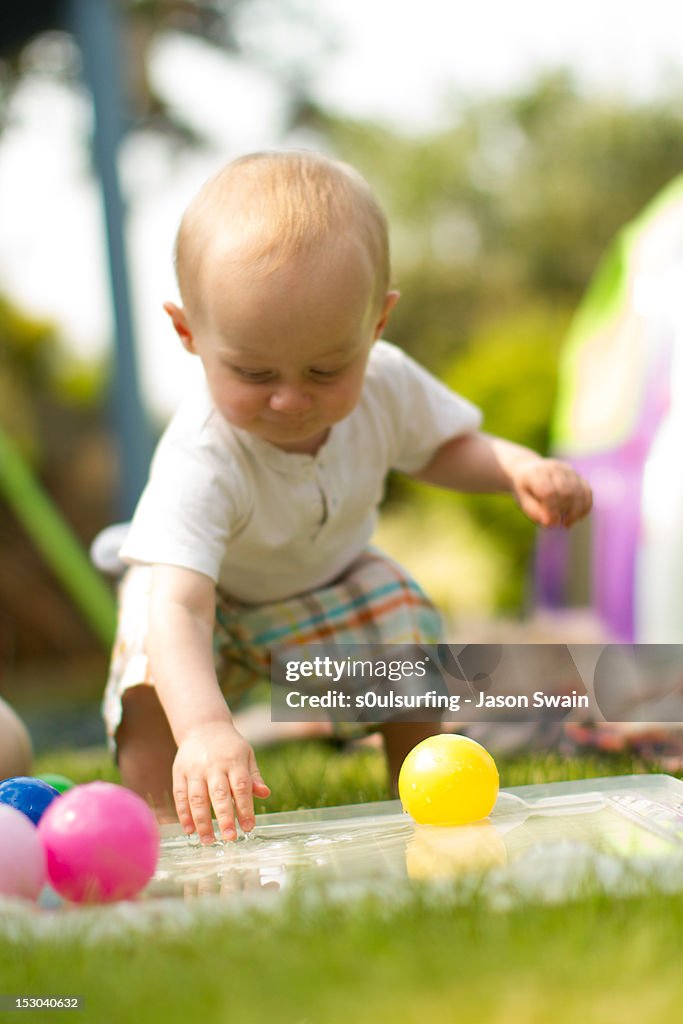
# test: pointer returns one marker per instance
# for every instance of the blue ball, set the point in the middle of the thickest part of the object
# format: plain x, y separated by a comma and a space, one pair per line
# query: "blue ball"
30, 796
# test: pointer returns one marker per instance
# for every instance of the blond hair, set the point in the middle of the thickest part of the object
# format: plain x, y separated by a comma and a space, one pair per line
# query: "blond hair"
269, 207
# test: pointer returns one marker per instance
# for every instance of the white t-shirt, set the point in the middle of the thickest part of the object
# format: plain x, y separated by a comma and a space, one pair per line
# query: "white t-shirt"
265, 524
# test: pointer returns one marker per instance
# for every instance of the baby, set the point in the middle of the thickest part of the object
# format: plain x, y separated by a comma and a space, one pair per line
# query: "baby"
254, 527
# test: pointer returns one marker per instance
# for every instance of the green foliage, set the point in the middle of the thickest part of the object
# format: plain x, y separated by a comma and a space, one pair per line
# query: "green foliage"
35, 371
27, 343
497, 226
25, 361
512, 205
509, 369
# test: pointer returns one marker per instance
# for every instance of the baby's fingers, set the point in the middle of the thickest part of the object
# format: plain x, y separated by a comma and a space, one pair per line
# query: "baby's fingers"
182, 804
541, 509
557, 491
582, 502
242, 796
221, 798
260, 788
557, 496
200, 808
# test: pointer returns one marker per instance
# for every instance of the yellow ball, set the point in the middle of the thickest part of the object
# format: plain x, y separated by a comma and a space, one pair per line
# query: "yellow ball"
448, 780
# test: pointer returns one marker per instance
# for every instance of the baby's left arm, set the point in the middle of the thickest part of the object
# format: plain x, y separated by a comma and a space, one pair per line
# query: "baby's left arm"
550, 492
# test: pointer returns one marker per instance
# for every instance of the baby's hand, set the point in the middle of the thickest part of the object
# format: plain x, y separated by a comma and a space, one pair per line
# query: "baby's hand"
215, 765
550, 492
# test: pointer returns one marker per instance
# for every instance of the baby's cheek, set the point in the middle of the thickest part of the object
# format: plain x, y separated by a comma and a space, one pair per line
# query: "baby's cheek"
235, 402
344, 399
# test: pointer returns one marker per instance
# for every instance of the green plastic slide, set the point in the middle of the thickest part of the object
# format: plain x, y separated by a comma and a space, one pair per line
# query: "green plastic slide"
56, 541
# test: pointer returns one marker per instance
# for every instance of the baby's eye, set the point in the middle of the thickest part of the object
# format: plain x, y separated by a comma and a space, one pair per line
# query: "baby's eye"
255, 376
324, 374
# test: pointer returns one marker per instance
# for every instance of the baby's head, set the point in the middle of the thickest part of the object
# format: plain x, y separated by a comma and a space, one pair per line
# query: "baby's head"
267, 209
283, 267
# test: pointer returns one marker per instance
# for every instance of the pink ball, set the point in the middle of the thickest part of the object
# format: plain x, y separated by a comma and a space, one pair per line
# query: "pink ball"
102, 843
22, 857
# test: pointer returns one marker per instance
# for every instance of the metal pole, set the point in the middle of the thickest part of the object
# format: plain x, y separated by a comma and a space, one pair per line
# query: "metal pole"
97, 30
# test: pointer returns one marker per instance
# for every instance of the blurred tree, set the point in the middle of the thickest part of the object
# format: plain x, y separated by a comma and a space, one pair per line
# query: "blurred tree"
497, 225
513, 204
36, 38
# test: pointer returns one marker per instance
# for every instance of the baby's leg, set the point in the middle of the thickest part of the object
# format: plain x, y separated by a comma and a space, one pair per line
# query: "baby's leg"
146, 751
15, 745
399, 738
135, 721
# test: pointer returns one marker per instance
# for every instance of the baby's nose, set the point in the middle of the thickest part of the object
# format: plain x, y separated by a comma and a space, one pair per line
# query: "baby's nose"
290, 400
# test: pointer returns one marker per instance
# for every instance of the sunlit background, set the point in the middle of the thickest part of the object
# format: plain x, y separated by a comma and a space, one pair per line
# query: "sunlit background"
378, 62
508, 143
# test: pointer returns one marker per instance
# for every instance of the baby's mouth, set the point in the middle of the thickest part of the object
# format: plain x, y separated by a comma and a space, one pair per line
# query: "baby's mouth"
293, 420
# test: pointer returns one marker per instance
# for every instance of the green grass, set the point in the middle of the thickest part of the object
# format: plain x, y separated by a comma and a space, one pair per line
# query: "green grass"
313, 774
597, 960
594, 961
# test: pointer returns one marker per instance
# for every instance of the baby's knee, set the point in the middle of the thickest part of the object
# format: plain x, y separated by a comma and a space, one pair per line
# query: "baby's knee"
145, 750
16, 752
142, 714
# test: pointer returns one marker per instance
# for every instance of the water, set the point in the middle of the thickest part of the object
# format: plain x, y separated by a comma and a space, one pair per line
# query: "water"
373, 847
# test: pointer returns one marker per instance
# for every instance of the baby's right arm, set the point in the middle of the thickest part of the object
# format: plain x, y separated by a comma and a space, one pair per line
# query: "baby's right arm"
214, 764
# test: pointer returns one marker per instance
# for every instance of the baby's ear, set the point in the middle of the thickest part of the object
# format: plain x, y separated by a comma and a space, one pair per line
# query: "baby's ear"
182, 329
390, 300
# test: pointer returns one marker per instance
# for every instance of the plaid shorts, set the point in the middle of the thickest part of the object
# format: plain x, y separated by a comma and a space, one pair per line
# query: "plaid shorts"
375, 601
